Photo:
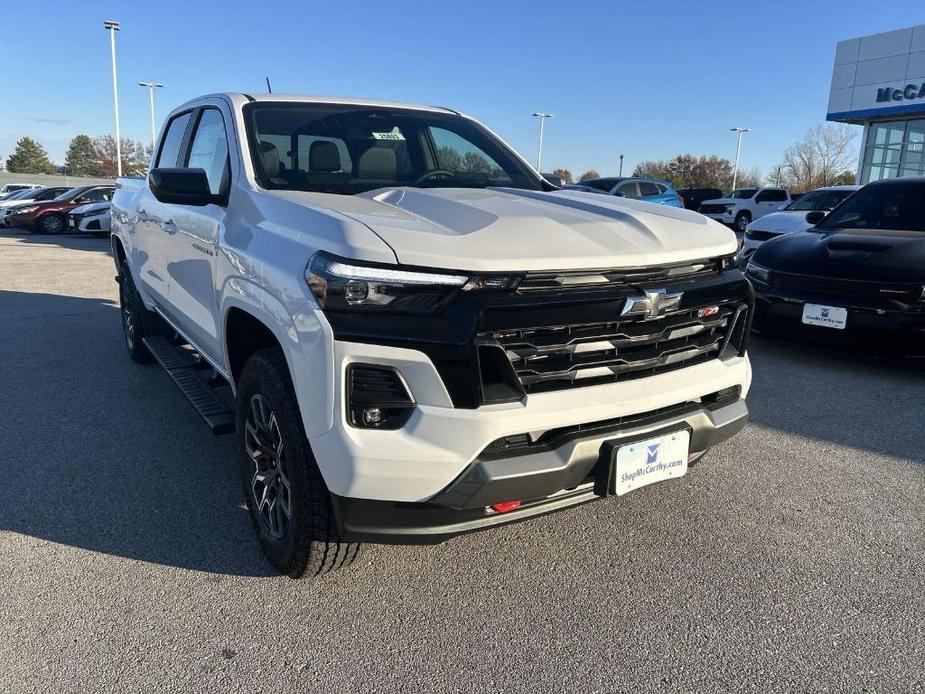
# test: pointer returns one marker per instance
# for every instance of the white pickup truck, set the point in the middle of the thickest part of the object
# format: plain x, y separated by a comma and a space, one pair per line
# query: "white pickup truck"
421, 336
744, 205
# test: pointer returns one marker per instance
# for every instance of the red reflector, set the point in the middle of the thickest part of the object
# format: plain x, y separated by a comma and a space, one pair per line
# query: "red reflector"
505, 506
708, 311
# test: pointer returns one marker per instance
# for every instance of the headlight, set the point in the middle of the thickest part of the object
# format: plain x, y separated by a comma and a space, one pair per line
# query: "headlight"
756, 271
344, 285
25, 210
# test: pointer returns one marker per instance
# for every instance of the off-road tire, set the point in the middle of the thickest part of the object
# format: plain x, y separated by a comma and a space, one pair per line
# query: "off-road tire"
311, 545
137, 321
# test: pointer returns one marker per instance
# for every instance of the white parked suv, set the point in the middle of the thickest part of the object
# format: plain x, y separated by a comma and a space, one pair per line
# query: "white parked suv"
422, 336
791, 218
744, 205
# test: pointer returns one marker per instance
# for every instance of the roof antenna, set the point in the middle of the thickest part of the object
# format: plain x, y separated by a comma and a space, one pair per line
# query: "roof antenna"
269, 88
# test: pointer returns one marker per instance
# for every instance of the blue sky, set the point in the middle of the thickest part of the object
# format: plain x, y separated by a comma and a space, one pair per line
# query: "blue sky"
649, 80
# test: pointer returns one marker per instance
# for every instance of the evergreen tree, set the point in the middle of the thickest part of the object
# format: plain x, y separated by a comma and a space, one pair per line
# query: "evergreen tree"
29, 157
80, 156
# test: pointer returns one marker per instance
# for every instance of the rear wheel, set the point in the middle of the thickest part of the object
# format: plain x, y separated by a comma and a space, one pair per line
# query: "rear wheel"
51, 224
288, 501
137, 321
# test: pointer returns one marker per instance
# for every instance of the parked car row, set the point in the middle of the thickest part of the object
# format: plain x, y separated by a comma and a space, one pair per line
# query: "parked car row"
57, 210
634, 188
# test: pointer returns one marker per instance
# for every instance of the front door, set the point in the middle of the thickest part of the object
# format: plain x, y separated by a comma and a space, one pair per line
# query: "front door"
194, 233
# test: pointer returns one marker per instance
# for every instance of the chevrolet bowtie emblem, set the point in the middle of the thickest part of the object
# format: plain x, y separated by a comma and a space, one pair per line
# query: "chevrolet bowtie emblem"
655, 303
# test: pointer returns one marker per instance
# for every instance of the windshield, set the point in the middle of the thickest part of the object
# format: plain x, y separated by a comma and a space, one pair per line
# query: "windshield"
69, 194
337, 148
742, 193
897, 206
20, 194
818, 201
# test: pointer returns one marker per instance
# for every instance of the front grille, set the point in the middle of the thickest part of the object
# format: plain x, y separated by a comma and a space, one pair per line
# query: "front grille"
566, 356
698, 269
859, 289
712, 209
756, 235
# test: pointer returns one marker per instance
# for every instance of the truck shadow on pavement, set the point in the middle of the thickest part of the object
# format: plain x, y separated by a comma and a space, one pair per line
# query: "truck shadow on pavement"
108, 454
845, 398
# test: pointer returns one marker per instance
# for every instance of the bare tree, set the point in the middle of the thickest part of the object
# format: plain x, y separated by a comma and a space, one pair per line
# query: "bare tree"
824, 155
588, 175
565, 175
652, 169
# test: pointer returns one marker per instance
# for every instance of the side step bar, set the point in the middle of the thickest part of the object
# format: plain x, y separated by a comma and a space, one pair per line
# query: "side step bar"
216, 413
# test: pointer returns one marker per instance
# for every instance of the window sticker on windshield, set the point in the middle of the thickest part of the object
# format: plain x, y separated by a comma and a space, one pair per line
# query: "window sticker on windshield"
395, 134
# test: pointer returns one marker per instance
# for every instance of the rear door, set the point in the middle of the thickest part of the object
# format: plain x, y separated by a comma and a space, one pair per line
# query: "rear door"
194, 233
649, 191
769, 200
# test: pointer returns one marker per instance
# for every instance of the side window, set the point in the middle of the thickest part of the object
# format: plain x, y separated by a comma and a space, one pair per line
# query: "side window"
628, 190
771, 196
647, 189
173, 140
209, 149
97, 195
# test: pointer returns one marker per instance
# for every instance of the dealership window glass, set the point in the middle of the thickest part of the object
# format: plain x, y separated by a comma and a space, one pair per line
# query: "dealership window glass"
209, 149
173, 140
894, 149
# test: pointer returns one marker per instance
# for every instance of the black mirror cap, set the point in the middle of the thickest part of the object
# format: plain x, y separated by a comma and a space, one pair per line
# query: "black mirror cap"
815, 217
181, 186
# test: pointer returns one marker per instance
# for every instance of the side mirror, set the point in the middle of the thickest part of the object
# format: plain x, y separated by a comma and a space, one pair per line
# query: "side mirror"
815, 217
181, 186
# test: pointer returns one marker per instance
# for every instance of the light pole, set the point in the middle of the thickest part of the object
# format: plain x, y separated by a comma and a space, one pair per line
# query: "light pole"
112, 27
151, 87
539, 150
621, 166
735, 169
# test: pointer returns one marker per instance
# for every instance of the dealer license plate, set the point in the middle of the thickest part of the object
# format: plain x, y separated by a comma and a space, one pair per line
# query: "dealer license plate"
653, 460
825, 316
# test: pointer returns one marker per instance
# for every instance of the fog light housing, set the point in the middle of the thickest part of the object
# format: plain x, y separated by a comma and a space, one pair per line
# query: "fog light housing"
378, 397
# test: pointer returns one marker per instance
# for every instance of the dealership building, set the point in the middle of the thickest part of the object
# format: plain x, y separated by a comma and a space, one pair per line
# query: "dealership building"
879, 82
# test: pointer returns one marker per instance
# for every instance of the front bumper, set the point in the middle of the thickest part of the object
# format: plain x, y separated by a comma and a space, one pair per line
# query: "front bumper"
547, 480
880, 326
93, 222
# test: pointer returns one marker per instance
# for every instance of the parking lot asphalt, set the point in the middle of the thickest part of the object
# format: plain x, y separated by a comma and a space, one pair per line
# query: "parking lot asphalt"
789, 559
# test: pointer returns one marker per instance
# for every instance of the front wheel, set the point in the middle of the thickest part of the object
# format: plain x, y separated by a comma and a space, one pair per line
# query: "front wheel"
137, 321
51, 224
288, 501
743, 219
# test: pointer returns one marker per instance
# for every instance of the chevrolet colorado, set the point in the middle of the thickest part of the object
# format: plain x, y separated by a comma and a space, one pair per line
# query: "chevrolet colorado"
422, 337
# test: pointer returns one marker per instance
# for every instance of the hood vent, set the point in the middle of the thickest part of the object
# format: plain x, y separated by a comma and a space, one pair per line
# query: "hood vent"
857, 247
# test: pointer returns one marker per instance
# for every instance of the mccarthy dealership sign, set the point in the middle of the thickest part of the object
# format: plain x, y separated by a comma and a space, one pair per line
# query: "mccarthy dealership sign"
907, 93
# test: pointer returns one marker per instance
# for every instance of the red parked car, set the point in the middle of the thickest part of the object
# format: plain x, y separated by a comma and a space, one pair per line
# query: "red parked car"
50, 217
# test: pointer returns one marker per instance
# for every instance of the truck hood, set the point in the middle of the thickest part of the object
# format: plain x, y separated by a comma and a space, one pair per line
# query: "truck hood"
781, 222
506, 229
724, 201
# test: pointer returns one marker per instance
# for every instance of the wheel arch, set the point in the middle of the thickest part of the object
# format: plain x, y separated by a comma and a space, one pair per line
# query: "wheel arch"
254, 319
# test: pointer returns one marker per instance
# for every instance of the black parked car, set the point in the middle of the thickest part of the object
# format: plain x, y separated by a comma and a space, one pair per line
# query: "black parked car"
694, 196
858, 275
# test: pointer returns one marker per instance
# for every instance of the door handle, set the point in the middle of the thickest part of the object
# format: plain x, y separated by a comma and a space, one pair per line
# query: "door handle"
169, 226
